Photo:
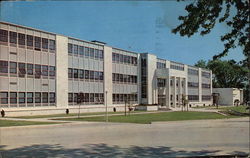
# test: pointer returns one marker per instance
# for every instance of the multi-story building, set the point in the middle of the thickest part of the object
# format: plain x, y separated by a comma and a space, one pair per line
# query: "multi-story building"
42, 72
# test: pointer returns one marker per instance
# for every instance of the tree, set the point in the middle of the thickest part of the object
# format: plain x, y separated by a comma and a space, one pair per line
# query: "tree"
201, 64
204, 14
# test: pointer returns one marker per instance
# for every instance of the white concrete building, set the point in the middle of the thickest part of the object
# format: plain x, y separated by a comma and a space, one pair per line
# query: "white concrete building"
42, 72
229, 96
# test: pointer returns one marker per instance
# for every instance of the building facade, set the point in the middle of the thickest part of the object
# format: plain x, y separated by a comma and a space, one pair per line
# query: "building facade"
42, 72
229, 96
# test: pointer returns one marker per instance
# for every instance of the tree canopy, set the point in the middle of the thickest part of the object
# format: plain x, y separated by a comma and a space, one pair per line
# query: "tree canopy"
204, 14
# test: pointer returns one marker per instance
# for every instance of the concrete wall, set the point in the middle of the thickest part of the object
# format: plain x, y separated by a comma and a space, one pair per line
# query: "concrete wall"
108, 88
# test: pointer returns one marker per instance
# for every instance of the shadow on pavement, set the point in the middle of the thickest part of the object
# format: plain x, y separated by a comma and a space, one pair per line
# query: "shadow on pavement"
102, 150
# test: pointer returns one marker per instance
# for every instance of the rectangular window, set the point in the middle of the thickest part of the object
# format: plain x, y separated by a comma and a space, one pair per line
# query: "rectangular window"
52, 45
44, 97
22, 70
29, 41
75, 73
70, 48
37, 97
86, 98
205, 74
86, 74
52, 71
52, 97
86, 52
81, 50
21, 39
75, 97
3, 66
44, 70
101, 75
70, 73
75, 49
30, 69
96, 75
193, 84
91, 52
45, 43
30, 97
193, 71
3, 35
4, 97
96, 53
13, 67
121, 58
37, 71
91, 75
13, 37
70, 98
21, 97
91, 97
96, 100
81, 74
37, 43
101, 54
13, 97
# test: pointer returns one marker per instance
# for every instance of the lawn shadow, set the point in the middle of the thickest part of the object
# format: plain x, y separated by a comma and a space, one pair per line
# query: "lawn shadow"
103, 150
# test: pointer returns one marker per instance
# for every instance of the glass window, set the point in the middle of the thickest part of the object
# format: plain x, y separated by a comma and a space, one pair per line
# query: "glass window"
91, 97
101, 75
3, 35
75, 49
75, 73
4, 97
22, 70
86, 97
96, 75
52, 97
86, 52
37, 43
37, 97
81, 50
13, 67
30, 97
70, 98
21, 39
44, 70
81, 74
13, 97
44, 97
45, 43
86, 74
52, 44
30, 69
70, 73
91, 52
121, 58
29, 41
96, 99
52, 71
3, 67
70, 48
37, 71
91, 75
21, 97
75, 97
101, 54
13, 37
96, 53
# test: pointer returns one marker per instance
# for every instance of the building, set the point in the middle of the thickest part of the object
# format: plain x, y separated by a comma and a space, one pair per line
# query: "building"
229, 96
42, 72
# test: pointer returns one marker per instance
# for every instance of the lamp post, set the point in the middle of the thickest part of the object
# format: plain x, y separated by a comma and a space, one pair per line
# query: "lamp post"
106, 106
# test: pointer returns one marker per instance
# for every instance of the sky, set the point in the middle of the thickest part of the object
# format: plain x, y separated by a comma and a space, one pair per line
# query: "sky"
140, 26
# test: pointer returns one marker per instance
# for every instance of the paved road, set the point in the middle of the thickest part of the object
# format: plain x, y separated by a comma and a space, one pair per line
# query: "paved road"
162, 139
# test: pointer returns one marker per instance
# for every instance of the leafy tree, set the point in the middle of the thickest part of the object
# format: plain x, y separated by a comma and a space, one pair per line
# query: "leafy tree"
204, 14
201, 64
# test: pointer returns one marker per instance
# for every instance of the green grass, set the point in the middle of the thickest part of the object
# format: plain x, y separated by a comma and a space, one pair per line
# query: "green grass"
71, 114
7, 123
241, 108
148, 118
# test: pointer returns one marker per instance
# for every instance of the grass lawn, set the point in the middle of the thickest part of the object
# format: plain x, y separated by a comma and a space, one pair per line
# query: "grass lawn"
72, 114
7, 123
148, 118
240, 108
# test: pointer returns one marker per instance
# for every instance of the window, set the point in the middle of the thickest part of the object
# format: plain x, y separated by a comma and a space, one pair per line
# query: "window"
37, 43
91, 97
52, 45
3, 67
44, 97
177, 97
205, 85
37, 97
21, 39
171, 82
86, 52
193, 97
30, 69
21, 97
177, 67
161, 65
96, 53
206, 97
75, 49
52, 71
177, 83
45, 43
13, 97
171, 97
117, 56
205, 74
193, 71
4, 97
113, 59
13, 37
44, 70
91, 75
86, 74
101, 75
91, 52
96, 99
29, 41
81, 50
75, 73
193, 84
22, 70
70, 73
70, 98
161, 82
13, 67
86, 98
3, 35
37, 71
101, 54
70, 48
121, 58
30, 97
81, 74
75, 97
52, 97
96, 76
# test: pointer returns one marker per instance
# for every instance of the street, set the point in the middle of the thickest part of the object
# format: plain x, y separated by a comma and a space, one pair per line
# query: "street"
160, 139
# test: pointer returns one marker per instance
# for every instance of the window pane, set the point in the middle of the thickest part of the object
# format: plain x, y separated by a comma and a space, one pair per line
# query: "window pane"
22, 71
45, 97
21, 97
29, 40
13, 97
30, 69
37, 43
86, 74
52, 44
75, 49
70, 48
45, 43
13, 67
81, 50
70, 73
13, 37
29, 97
37, 71
52, 71
37, 97
52, 96
75, 73
4, 97
44, 70
3, 35
21, 39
